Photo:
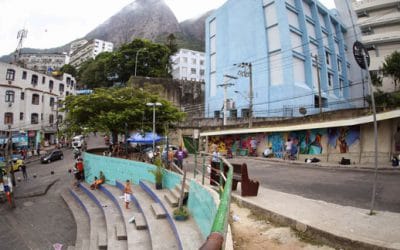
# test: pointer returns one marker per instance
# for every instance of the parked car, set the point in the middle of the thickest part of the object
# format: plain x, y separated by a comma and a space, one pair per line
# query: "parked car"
52, 156
16, 165
78, 141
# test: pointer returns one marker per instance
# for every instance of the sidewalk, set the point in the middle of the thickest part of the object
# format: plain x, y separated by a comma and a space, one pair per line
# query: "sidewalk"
343, 227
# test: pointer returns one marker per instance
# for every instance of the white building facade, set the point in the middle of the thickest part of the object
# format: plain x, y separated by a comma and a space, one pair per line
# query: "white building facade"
379, 25
30, 103
43, 62
82, 51
188, 65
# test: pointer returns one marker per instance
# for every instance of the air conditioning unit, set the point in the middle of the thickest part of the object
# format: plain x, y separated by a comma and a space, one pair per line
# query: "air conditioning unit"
233, 113
9, 82
9, 104
217, 114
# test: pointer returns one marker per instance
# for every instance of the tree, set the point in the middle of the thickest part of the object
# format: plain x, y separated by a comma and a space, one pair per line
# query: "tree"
110, 109
119, 66
69, 69
376, 79
391, 67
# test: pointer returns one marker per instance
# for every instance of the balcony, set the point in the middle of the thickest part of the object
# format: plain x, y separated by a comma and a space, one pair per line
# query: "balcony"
367, 5
381, 38
374, 21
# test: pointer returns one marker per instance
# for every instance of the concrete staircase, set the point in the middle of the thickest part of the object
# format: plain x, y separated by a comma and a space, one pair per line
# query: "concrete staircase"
103, 222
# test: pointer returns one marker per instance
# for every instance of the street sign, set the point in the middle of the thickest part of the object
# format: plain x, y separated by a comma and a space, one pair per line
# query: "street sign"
359, 51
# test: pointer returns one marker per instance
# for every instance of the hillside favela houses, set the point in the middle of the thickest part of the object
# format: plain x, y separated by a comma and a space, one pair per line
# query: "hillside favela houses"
83, 50
30, 105
284, 70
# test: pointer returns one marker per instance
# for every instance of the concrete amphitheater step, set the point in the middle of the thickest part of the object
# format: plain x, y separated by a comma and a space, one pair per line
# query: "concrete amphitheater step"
137, 238
98, 225
113, 219
188, 231
160, 231
81, 219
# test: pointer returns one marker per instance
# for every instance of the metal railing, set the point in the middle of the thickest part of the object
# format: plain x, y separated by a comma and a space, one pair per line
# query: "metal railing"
217, 236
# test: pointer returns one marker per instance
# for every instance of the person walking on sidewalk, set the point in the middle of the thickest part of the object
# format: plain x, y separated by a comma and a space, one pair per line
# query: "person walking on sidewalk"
24, 174
180, 154
127, 193
38, 149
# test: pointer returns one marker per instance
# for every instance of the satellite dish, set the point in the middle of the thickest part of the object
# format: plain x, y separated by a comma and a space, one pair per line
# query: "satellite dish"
303, 110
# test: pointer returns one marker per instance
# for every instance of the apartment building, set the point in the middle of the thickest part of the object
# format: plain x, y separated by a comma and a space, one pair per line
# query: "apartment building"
267, 52
188, 65
30, 104
43, 62
84, 50
379, 25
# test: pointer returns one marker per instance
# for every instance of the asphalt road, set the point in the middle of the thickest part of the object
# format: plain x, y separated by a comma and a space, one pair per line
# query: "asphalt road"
39, 222
345, 187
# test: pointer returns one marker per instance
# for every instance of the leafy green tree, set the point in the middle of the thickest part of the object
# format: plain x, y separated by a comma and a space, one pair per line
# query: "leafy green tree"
69, 69
119, 66
391, 67
376, 79
115, 109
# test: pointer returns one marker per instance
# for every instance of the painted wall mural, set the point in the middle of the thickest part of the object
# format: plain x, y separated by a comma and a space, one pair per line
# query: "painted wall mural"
309, 142
344, 137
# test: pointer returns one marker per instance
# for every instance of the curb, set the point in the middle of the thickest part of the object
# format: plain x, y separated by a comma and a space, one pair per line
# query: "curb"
37, 193
313, 165
321, 236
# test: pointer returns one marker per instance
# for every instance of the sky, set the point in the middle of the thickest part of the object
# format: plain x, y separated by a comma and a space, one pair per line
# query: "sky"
56, 23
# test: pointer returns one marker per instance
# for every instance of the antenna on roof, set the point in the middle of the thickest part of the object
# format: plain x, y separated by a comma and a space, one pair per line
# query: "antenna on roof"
20, 36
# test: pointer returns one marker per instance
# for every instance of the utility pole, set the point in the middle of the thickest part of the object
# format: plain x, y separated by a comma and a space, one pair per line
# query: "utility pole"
251, 96
319, 85
226, 84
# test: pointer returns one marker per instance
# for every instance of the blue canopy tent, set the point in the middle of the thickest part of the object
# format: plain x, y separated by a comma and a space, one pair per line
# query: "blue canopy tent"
146, 139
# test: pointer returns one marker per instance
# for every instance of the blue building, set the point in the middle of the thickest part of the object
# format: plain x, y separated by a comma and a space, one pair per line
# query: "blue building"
274, 45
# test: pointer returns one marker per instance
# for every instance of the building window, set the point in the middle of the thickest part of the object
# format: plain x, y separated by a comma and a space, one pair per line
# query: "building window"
51, 101
10, 74
202, 62
34, 118
192, 71
43, 80
202, 72
8, 118
34, 80
35, 99
61, 87
51, 84
341, 86
10, 96
194, 61
41, 116
22, 96
327, 57
59, 119
184, 59
68, 81
24, 75
21, 116
330, 79
339, 65
51, 119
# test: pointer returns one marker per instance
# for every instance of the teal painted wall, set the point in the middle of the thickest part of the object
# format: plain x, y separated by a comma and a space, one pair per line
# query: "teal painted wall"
200, 203
202, 207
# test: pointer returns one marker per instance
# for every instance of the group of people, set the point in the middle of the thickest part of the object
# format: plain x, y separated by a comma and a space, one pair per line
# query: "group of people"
78, 171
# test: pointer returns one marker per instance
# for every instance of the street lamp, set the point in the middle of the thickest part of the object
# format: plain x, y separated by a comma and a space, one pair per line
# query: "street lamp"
154, 104
137, 54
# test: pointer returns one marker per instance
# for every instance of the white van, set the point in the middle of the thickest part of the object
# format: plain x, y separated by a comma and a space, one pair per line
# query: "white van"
78, 141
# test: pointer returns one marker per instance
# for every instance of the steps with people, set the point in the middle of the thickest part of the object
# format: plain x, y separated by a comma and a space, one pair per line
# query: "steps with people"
137, 235
107, 224
97, 221
112, 217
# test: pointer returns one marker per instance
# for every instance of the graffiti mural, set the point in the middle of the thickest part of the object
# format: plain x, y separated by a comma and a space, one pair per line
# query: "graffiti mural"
344, 137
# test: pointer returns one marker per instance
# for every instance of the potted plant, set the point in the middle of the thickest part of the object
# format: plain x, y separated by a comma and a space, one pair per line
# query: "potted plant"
181, 213
158, 172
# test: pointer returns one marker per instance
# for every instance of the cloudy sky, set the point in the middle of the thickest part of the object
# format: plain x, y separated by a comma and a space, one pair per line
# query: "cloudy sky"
55, 23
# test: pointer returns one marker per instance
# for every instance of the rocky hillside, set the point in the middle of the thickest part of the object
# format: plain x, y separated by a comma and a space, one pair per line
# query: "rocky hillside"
150, 19
141, 19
